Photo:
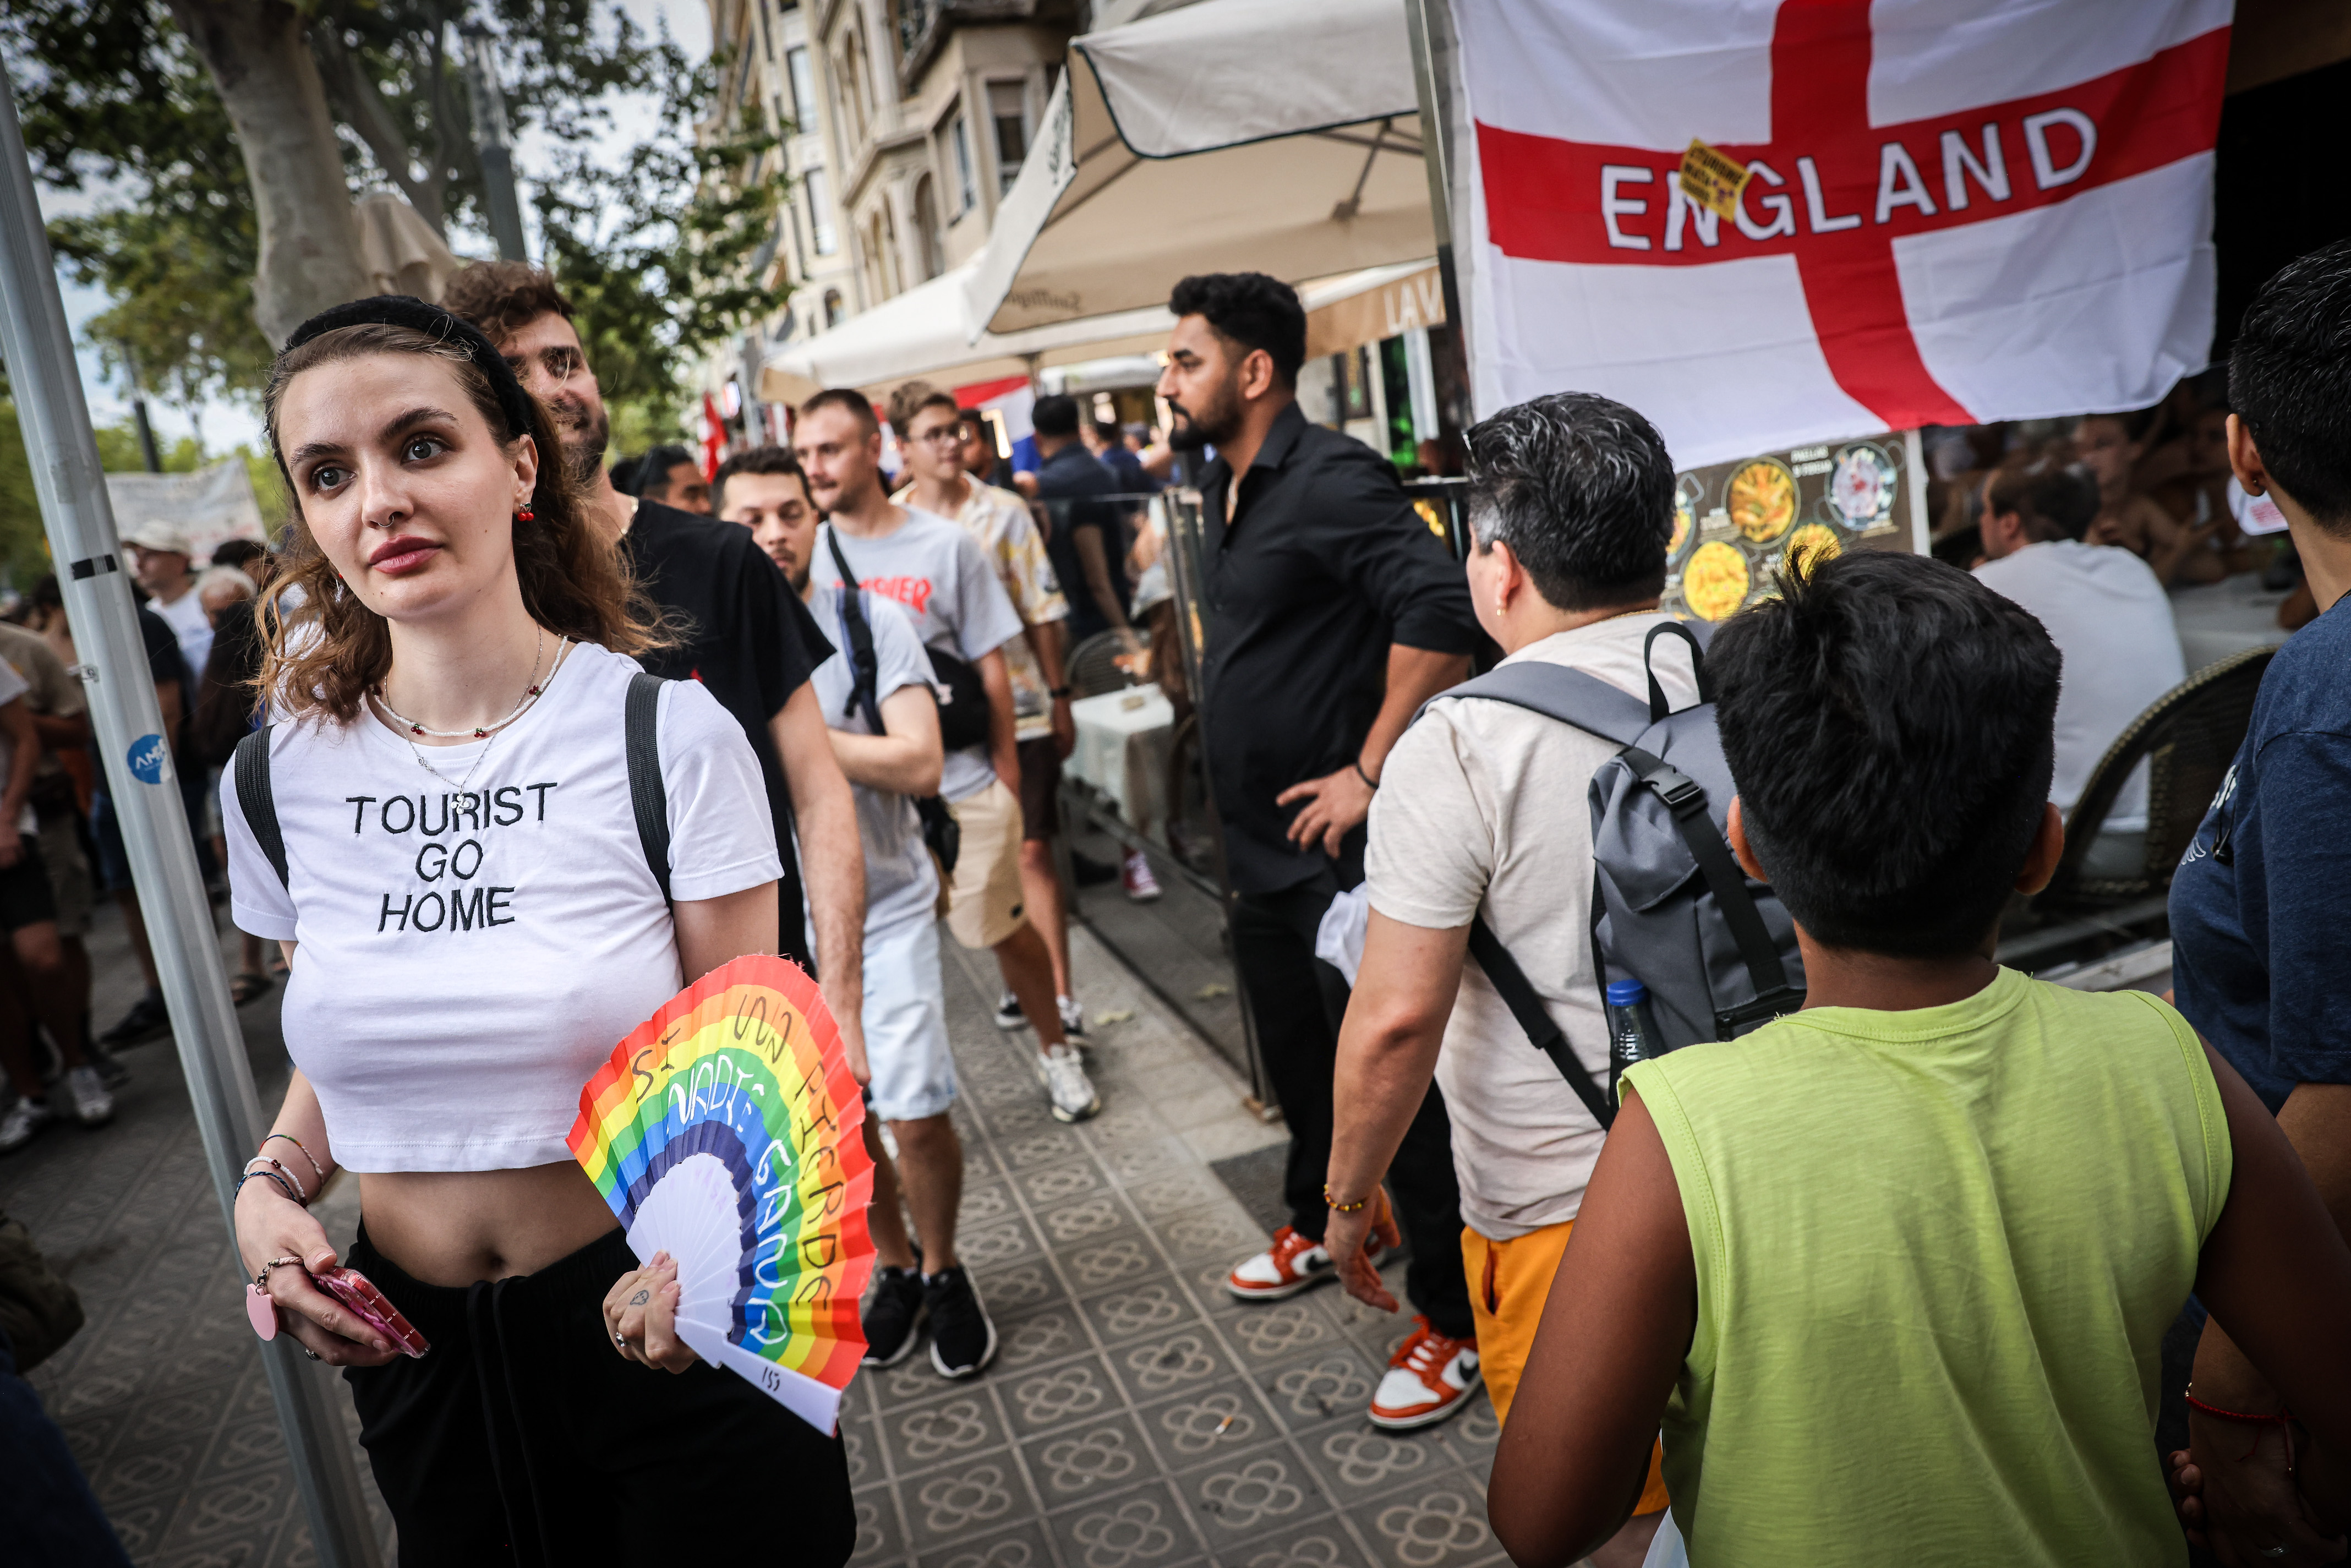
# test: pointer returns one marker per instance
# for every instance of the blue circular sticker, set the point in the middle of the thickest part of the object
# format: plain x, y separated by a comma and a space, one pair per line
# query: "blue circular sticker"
148, 756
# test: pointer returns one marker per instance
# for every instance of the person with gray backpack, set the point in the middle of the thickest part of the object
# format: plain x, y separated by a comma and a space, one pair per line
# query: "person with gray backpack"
1547, 839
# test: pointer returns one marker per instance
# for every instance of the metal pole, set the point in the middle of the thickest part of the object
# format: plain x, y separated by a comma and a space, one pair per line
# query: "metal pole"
129, 726
147, 453
1436, 157
492, 142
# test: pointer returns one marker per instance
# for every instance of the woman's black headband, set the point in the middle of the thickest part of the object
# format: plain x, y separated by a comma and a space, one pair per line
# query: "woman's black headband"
417, 315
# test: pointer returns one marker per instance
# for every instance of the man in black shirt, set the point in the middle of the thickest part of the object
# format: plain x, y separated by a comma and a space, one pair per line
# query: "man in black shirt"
1333, 613
1087, 538
744, 634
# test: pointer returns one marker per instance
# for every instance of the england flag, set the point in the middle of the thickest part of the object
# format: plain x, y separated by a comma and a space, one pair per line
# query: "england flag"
1955, 211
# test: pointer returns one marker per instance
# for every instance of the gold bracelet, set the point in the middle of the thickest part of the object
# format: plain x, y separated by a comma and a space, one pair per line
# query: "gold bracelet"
1338, 1208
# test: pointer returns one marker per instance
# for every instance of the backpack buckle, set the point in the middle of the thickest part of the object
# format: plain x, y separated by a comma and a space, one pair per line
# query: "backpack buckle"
1678, 790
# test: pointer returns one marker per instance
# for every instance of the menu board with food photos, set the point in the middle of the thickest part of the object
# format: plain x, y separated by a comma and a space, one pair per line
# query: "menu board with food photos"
1738, 523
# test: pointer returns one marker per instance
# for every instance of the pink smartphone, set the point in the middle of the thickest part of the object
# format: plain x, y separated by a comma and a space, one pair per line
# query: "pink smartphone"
367, 1304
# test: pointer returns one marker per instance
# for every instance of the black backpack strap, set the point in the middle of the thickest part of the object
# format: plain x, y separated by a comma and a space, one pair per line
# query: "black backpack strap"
1518, 994
1571, 696
1687, 800
1659, 707
647, 793
258, 800
864, 663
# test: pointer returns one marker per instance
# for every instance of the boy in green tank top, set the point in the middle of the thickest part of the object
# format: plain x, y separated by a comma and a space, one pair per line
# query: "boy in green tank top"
1892, 1272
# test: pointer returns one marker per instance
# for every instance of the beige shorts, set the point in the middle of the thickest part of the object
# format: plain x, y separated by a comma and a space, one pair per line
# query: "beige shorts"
71, 883
984, 905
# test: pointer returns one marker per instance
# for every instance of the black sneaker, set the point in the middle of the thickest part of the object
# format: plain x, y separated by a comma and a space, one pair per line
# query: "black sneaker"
893, 1315
147, 1019
963, 1340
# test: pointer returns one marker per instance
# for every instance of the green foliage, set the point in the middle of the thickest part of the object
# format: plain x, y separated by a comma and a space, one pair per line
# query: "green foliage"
657, 253
114, 101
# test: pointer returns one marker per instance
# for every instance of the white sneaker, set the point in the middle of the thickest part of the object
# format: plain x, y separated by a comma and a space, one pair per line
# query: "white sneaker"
25, 1119
1064, 1078
1008, 1013
1074, 1018
93, 1106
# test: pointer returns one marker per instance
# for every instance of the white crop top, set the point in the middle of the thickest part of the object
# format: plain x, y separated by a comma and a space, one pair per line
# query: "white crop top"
468, 957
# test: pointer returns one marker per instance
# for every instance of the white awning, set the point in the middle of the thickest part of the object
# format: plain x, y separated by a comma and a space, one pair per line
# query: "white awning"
1230, 135
925, 334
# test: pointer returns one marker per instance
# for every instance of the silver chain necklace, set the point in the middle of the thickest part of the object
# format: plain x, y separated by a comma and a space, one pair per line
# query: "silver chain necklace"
489, 735
480, 732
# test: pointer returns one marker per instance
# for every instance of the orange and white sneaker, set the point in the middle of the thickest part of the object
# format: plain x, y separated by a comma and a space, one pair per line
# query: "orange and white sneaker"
1429, 1380
1294, 1263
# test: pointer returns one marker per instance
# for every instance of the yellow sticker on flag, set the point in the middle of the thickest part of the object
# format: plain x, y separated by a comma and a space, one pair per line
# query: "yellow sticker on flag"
1711, 179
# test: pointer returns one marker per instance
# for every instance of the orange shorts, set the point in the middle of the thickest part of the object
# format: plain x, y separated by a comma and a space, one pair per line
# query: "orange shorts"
1508, 1283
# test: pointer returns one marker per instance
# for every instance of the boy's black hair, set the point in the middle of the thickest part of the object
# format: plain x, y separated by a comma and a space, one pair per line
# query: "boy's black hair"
1251, 310
2058, 504
1889, 723
1055, 414
2290, 382
768, 459
1582, 490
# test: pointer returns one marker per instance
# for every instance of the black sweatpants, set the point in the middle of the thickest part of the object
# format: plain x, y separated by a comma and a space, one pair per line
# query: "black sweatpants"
523, 1439
1299, 1003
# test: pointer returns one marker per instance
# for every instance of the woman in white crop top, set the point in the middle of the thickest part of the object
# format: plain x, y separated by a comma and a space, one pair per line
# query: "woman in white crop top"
472, 926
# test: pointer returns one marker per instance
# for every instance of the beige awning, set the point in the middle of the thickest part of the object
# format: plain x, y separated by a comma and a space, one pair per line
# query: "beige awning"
1227, 135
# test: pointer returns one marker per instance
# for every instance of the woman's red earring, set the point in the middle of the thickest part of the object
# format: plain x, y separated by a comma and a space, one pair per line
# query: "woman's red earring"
523, 515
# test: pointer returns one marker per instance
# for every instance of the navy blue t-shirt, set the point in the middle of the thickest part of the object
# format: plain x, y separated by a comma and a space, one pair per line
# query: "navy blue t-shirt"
2263, 896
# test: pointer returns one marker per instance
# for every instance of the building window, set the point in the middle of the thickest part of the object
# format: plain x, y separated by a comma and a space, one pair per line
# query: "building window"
831, 308
796, 64
1008, 107
828, 241
926, 230
966, 177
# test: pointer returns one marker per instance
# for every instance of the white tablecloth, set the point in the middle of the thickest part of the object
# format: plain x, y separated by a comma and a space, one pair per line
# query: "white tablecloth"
1123, 740
2218, 619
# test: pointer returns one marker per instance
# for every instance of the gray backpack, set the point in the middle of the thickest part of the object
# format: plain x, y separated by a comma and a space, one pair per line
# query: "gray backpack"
1669, 905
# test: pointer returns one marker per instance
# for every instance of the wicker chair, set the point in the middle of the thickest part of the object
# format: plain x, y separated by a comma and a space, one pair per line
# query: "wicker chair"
1094, 664
2189, 739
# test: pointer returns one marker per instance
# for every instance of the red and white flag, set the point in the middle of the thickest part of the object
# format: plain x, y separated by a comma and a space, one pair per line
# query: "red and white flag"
1958, 211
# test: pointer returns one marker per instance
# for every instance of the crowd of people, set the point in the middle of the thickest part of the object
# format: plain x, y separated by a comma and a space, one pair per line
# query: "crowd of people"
1951, 1261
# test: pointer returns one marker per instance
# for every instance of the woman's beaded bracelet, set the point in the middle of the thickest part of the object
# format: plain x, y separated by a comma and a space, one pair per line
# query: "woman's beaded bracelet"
319, 1169
1338, 1208
281, 1168
291, 1190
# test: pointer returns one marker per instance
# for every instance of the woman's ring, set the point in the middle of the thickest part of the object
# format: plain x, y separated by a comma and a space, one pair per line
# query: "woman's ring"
306, 1350
619, 1339
2272, 1550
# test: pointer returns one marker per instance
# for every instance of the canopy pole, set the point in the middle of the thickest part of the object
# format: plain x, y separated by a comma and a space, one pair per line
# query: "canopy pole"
129, 726
1436, 158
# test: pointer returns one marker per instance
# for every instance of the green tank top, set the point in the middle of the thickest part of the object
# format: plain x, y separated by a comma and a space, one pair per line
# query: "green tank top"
1936, 1252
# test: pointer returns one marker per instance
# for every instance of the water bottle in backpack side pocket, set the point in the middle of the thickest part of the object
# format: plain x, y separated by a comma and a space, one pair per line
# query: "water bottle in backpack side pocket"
1632, 1032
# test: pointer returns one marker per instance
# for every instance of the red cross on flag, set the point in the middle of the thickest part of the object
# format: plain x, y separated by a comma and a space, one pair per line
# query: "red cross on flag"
1956, 211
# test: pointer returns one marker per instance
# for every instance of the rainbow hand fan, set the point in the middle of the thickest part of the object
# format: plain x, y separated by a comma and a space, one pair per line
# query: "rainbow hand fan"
726, 1131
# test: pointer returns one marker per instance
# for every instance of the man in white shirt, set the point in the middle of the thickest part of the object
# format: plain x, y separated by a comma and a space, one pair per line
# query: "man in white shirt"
949, 590
909, 1065
1482, 807
931, 431
2110, 618
159, 559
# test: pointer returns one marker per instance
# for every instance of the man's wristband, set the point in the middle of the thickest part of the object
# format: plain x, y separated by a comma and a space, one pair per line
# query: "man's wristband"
1369, 781
1059, 694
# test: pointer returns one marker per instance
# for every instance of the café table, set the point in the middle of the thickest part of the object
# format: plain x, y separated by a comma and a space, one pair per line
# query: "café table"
2218, 619
1123, 744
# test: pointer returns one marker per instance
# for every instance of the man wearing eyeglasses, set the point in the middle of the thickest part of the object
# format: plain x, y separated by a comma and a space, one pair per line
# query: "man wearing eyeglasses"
932, 434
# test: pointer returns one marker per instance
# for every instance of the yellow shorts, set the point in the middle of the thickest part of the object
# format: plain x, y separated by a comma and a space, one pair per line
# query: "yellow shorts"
1508, 1283
984, 902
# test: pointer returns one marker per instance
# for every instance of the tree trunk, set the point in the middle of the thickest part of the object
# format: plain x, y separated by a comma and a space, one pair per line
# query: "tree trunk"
269, 84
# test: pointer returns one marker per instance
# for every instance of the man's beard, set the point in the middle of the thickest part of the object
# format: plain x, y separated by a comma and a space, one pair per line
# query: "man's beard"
1210, 426
585, 436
